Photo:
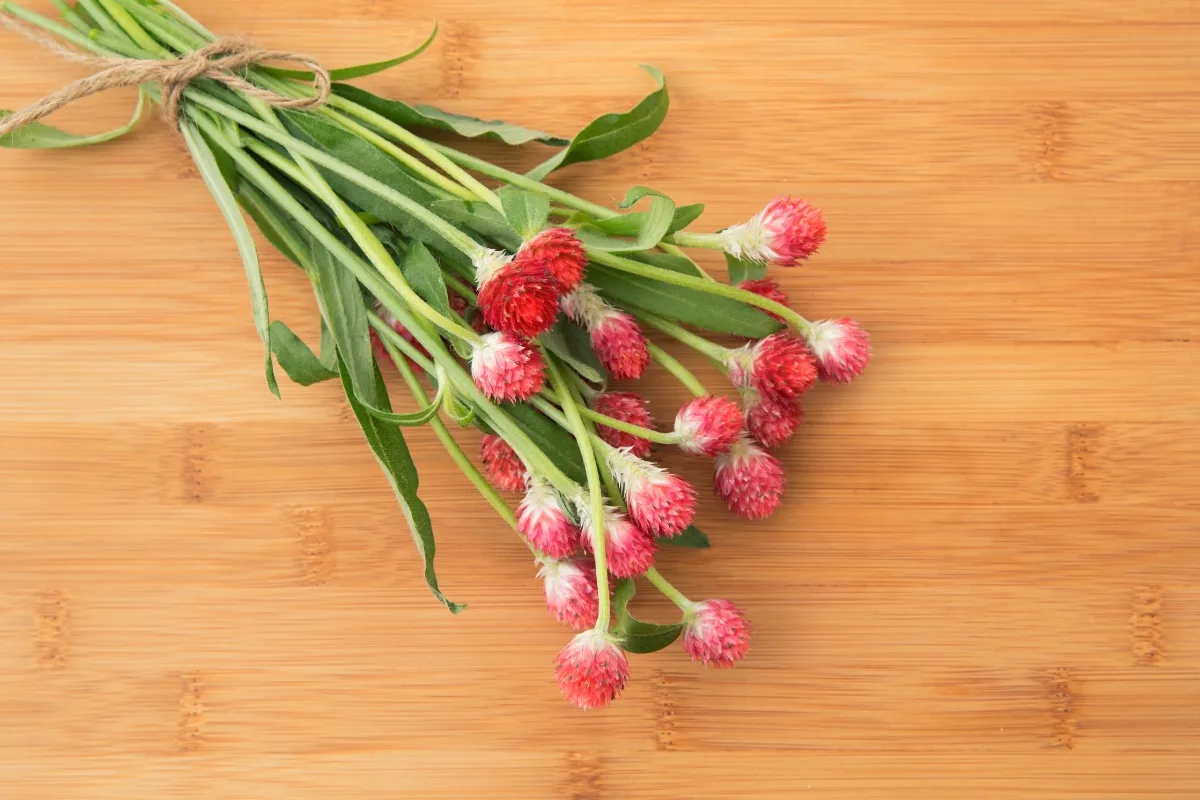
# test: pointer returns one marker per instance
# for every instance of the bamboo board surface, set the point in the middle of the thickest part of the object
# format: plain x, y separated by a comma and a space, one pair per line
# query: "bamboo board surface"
986, 579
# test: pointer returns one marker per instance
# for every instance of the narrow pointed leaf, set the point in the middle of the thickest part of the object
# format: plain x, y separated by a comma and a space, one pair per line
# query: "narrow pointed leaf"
429, 117
296, 358
637, 636
206, 163
481, 218
555, 442
422, 272
360, 70
570, 342
743, 270
632, 224
36, 136
612, 133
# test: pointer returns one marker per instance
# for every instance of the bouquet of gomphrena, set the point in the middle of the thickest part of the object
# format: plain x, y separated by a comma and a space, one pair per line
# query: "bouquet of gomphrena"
502, 302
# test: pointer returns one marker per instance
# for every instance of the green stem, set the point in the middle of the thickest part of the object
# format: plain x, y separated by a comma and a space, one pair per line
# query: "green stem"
521, 182
72, 17
452, 235
448, 442
106, 23
694, 282
404, 157
423, 147
709, 241
61, 31
167, 30
681, 373
598, 534
672, 250
135, 32
460, 287
712, 350
629, 427
663, 585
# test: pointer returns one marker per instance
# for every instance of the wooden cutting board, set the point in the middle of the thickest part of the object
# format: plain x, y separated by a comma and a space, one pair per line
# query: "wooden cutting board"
985, 582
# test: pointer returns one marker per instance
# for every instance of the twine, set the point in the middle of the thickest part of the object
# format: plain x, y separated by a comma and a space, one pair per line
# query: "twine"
222, 61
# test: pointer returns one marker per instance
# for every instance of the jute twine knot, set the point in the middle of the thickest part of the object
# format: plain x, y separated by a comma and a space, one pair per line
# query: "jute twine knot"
224, 60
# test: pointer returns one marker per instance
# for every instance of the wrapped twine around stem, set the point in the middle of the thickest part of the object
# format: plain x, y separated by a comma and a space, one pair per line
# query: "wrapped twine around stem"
224, 60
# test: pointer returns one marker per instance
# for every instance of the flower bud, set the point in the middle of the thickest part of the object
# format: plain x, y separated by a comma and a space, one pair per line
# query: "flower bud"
591, 670
543, 522
560, 253
708, 425
661, 504
501, 464
749, 479
784, 233
770, 422
842, 349
627, 407
629, 550
716, 633
507, 369
516, 296
778, 367
571, 593
616, 336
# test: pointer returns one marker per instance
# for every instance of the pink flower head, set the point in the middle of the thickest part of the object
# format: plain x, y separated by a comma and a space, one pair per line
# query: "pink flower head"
629, 550
507, 369
560, 253
770, 422
571, 593
749, 479
591, 670
516, 297
660, 503
708, 425
778, 367
381, 353
841, 347
716, 633
627, 407
785, 233
543, 522
616, 337
770, 289
501, 464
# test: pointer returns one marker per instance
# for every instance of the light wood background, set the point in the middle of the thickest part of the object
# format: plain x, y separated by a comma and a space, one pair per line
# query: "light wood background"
986, 581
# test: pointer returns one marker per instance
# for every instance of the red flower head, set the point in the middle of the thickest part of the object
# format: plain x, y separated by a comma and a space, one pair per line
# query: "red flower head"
627, 407
629, 550
543, 522
616, 337
770, 422
716, 633
749, 479
769, 289
591, 670
516, 297
786, 232
501, 464
660, 503
571, 593
560, 253
381, 353
506, 369
708, 425
778, 367
841, 347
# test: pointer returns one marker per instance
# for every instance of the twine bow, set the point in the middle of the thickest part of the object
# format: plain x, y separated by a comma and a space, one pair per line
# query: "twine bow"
224, 60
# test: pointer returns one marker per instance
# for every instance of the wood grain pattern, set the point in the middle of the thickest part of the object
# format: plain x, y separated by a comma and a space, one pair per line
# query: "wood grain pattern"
986, 583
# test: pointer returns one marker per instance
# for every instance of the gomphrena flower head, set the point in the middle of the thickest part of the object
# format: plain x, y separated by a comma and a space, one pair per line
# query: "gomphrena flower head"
616, 336
770, 289
591, 670
784, 233
841, 347
629, 550
708, 425
770, 422
661, 504
716, 633
501, 464
779, 367
560, 253
543, 522
749, 479
571, 593
627, 407
516, 297
507, 369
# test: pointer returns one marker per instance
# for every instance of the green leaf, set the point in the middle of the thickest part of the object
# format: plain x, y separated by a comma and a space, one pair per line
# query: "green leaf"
365, 157
211, 173
612, 133
36, 136
361, 70
387, 442
329, 353
556, 443
430, 117
481, 218
654, 227
691, 537
462, 414
638, 636
343, 308
669, 261
297, 360
269, 223
526, 212
680, 303
632, 224
742, 270
572, 344
423, 274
